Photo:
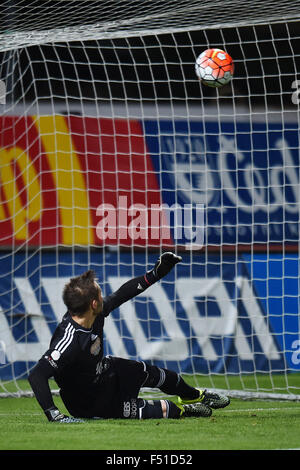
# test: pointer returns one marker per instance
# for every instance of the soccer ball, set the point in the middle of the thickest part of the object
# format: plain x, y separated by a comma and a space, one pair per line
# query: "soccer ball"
214, 67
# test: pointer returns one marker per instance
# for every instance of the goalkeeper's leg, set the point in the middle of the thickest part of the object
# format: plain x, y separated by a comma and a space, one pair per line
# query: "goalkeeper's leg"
137, 408
172, 383
169, 382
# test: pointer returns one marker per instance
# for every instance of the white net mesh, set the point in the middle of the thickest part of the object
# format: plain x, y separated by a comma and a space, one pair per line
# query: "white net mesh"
36, 22
105, 122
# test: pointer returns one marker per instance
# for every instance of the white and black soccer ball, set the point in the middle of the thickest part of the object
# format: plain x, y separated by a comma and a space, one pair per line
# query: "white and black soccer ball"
214, 67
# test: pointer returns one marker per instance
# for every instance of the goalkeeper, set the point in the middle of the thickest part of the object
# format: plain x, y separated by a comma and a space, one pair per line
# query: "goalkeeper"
107, 387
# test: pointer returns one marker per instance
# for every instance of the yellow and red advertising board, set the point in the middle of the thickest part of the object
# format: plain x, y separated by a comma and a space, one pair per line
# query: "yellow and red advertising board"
58, 173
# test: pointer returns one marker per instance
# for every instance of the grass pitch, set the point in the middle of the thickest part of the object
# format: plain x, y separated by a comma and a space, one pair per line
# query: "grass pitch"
244, 425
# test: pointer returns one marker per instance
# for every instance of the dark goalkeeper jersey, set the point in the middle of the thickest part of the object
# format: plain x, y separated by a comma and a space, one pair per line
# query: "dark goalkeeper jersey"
75, 353
74, 357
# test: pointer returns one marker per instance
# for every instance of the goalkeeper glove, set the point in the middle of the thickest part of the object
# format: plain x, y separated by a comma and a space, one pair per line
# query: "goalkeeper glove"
165, 264
54, 415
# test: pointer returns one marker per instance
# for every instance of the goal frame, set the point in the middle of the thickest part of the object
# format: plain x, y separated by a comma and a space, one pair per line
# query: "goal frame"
15, 43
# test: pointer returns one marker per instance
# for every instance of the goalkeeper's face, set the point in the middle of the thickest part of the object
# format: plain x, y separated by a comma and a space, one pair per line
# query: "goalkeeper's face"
97, 305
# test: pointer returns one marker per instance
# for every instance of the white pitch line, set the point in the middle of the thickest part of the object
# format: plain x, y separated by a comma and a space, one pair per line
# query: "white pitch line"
261, 409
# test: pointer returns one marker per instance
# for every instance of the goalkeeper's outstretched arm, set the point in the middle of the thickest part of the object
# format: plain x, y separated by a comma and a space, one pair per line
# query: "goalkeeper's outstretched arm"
137, 285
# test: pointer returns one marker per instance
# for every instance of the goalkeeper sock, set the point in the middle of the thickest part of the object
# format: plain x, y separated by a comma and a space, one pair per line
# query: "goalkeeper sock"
184, 390
153, 409
173, 384
169, 382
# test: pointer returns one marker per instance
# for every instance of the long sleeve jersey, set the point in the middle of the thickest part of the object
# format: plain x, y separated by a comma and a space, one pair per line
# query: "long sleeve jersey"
74, 357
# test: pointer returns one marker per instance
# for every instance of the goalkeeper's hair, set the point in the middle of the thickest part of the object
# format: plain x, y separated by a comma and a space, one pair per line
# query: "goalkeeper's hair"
79, 292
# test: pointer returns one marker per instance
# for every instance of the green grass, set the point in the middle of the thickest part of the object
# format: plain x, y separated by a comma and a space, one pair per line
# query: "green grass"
252, 425
243, 425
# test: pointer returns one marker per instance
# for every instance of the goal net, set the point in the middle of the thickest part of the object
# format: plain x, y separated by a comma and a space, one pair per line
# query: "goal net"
112, 151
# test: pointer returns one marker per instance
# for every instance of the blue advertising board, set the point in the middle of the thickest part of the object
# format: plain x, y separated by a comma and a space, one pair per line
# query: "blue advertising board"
245, 173
210, 314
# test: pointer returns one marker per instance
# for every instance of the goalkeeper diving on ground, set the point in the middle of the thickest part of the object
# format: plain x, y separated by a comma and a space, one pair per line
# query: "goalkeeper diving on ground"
93, 386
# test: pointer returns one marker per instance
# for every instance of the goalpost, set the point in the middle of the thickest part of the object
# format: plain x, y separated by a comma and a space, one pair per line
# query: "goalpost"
112, 151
